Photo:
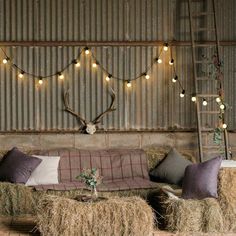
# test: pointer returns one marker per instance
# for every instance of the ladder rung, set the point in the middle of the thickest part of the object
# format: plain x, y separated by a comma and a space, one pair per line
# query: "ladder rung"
204, 29
205, 78
203, 62
208, 95
210, 112
207, 129
202, 13
205, 45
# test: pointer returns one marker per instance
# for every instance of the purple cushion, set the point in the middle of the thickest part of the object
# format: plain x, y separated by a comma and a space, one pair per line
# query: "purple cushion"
16, 167
200, 180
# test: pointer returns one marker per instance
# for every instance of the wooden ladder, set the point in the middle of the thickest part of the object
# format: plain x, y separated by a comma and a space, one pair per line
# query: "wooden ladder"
205, 43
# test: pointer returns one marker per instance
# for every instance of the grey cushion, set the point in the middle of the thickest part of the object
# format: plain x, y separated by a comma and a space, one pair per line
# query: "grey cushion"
171, 169
16, 167
200, 180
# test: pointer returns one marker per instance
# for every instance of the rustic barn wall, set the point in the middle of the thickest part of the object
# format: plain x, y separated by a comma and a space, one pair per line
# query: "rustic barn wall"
148, 105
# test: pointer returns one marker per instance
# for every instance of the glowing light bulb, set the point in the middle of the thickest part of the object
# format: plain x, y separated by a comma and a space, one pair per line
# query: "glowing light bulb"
77, 64
40, 81
95, 65
165, 48
224, 126
204, 103
147, 76
21, 75
182, 94
194, 99
86, 50
222, 106
60, 76
218, 99
159, 60
108, 78
175, 79
171, 62
5, 60
128, 84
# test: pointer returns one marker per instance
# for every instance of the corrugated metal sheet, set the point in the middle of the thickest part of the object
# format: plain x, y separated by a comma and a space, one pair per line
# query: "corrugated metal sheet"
148, 105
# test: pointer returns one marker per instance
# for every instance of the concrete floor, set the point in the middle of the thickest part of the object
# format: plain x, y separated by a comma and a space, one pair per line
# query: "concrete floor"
15, 226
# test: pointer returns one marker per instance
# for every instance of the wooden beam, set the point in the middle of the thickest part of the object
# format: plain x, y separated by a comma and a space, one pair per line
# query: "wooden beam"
106, 43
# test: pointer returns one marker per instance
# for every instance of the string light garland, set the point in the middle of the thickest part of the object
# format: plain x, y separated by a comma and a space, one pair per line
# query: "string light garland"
87, 51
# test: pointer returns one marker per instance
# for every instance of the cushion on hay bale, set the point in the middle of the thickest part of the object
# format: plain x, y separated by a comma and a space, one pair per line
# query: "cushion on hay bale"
227, 197
114, 216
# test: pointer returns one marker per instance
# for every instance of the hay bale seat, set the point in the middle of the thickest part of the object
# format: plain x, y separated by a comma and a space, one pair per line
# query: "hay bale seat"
59, 216
17, 199
206, 215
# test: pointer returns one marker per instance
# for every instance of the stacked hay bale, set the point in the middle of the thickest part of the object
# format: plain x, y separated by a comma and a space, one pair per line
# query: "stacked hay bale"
227, 197
114, 216
16, 199
193, 215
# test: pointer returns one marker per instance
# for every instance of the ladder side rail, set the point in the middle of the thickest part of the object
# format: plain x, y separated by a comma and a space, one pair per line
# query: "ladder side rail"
195, 83
226, 142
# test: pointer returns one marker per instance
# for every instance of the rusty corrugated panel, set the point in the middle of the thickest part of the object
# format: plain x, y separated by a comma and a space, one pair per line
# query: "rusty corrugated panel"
148, 105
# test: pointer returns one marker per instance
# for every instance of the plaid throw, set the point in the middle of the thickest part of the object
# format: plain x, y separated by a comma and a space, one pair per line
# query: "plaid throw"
121, 169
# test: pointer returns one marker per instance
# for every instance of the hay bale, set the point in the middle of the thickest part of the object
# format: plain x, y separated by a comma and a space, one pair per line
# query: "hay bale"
114, 216
193, 215
16, 199
227, 197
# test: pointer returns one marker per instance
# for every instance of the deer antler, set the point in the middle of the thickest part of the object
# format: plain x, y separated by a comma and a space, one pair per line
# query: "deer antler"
68, 109
109, 109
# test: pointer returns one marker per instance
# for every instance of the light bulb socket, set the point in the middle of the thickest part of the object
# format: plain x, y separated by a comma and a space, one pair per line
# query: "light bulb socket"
175, 79
40, 80
182, 93
165, 46
128, 83
171, 62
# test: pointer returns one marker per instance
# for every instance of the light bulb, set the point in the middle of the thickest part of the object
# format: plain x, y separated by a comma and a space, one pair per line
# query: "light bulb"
194, 99
40, 81
108, 78
204, 103
94, 65
5, 60
76, 62
182, 93
222, 106
218, 99
21, 75
128, 84
86, 50
159, 60
165, 48
147, 76
60, 76
224, 126
175, 79
171, 62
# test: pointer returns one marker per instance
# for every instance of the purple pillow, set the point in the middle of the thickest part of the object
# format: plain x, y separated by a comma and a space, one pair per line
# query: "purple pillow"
200, 180
16, 167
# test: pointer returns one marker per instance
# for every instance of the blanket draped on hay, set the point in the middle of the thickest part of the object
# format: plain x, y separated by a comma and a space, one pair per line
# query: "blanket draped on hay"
114, 216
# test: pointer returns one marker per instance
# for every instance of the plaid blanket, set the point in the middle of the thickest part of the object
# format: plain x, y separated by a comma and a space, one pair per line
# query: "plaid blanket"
121, 169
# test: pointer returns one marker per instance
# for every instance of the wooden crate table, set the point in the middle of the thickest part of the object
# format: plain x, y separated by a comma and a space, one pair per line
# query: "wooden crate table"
112, 216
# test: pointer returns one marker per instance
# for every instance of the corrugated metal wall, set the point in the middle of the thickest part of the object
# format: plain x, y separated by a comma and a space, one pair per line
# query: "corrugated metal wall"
148, 105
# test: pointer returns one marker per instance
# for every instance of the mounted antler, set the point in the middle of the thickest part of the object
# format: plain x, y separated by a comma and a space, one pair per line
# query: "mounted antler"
89, 127
109, 109
68, 109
